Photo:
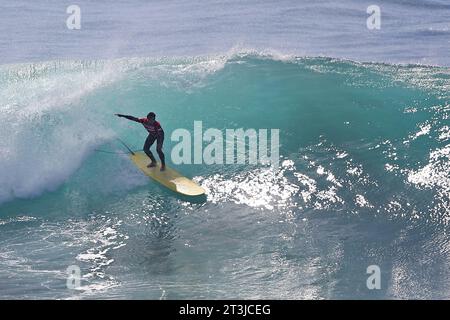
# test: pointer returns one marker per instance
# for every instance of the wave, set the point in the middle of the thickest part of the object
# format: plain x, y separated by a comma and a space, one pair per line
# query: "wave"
370, 132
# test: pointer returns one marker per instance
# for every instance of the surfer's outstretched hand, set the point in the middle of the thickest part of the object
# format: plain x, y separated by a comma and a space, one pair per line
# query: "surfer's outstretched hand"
119, 115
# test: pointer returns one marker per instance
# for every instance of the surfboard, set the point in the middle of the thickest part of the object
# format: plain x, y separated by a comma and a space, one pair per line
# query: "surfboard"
168, 178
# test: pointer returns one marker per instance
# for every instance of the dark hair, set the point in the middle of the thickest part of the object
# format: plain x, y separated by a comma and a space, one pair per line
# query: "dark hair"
151, 115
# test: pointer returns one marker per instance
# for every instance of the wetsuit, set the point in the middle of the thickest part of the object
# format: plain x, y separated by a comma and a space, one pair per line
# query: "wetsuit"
155, 132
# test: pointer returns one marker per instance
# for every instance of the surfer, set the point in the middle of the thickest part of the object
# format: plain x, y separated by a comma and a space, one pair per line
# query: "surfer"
155, 132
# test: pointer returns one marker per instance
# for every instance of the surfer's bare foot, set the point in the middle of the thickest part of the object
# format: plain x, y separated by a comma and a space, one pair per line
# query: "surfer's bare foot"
163, 167
151, 165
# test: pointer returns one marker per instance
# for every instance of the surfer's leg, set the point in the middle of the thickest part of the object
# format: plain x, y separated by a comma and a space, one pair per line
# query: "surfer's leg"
159, 144
148, 143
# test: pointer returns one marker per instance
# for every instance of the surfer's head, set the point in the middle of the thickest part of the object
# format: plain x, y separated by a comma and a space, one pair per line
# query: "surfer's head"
151, 116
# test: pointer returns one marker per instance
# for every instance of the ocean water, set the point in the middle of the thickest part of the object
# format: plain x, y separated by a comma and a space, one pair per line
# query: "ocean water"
364, 174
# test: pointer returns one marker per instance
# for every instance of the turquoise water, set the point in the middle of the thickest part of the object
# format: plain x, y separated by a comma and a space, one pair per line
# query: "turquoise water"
363, 179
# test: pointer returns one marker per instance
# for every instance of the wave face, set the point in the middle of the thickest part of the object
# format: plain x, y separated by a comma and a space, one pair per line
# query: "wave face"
363, 147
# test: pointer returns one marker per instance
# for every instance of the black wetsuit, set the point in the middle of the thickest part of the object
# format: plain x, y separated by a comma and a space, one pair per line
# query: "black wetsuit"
155, 132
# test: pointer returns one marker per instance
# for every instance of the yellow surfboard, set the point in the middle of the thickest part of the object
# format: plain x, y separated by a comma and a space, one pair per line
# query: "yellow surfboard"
169, 177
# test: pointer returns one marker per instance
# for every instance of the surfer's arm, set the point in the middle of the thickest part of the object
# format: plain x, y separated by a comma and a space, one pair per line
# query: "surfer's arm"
128, 117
